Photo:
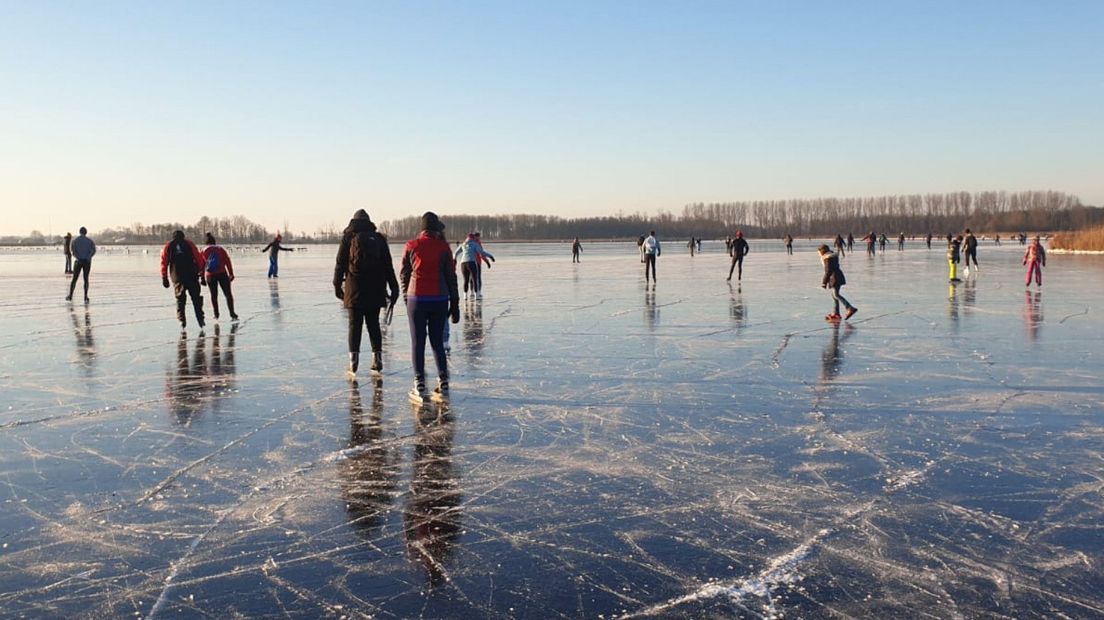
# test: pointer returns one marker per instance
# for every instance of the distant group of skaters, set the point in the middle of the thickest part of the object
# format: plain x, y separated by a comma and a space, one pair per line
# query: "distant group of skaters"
366, 283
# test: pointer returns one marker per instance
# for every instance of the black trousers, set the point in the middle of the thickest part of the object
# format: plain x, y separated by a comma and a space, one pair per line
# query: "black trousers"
80, 267
358, 318
213, 283
649, 263
471, 275
182, 290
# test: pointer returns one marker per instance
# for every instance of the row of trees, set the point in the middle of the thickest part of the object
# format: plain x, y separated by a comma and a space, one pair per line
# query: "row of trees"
912, 214
234, 229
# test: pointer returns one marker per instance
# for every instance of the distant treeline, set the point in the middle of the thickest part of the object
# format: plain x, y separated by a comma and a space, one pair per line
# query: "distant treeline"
234, 229
913, 214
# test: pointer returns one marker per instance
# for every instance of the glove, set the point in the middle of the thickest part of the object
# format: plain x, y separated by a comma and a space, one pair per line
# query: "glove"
395, 298
454, 312
340, 294
231, 278
165, 282
202, 281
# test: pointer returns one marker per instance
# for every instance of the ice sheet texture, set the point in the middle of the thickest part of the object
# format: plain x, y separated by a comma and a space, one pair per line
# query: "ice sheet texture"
703, 449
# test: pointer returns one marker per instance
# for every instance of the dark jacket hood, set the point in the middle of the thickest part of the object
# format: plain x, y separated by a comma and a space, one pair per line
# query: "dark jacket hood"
359, 225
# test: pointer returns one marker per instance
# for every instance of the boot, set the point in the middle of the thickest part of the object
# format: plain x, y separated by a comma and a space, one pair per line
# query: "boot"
418, 394
441, 394
377, 362
354, 362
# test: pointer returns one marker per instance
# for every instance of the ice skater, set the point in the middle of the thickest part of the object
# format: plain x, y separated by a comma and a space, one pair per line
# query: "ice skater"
839, 246
850, 243
1035, 259
970, 244
870, 240
901, 242
429, 288
274, 248
650, 251
740, 249
788, 240
954, 245
181, 259
469, 254
576, 250
692, 246
833, 280
68, 252
363, 275
220, 273
927, 239
83, 249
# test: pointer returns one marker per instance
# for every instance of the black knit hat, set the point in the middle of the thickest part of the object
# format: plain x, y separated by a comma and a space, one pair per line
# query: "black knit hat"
361, 214
210, 239
431, 222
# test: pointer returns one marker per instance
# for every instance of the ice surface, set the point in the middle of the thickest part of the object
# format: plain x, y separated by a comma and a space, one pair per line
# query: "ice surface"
703, 449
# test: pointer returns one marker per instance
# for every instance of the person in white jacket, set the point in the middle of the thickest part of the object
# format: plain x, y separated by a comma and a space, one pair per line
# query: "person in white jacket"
651, 250
469, 254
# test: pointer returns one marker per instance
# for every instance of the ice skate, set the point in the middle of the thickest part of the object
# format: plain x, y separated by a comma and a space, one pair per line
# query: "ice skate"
377, 363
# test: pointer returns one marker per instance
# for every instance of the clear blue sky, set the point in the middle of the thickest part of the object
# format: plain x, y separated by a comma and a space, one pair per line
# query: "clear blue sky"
116, 112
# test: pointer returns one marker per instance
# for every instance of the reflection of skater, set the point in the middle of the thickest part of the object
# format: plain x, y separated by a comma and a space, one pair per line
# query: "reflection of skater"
83, 249
831, 358
576, 251
833, 280
86, 345
1033, 313
470, 254
736, 309
1035, 259
431, 517
970, 244
370, 473
953, 257
68, 252
181, 259
740, 249
220, 273
432, 297
363, 273
274, 248
649, 251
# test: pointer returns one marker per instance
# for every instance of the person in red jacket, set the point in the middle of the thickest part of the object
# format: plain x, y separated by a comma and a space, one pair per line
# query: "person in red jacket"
429, 288
181, 259
220, 272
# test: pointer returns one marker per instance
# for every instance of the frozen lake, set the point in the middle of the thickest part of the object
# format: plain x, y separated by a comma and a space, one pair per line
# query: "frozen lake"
700, 450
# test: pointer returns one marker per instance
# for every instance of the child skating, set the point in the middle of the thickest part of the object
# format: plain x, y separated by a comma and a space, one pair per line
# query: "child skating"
833, 280
1035, 259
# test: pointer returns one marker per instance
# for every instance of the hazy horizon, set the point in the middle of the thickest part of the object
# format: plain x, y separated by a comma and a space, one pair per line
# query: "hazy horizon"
127, 112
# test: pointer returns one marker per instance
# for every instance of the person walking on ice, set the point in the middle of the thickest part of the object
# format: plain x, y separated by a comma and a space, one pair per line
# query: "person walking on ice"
428, 277
363, 274
83, 249
1035, 259
833, 280
650, 250
66, 247
576, 250
182, 260
740, 249
953, 257
220, 273
274, 248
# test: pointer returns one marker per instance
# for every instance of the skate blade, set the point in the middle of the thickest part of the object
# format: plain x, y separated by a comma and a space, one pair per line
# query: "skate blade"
417, 400
437, 397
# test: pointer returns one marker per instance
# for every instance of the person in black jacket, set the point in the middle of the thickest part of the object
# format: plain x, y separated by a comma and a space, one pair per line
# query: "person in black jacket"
833, 280
739, 251
362, 276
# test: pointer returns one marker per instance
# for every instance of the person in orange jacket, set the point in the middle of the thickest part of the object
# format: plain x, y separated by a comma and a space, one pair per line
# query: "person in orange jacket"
182, 260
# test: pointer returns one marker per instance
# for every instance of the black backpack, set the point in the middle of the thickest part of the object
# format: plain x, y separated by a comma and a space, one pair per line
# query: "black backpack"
183, 263
364, 253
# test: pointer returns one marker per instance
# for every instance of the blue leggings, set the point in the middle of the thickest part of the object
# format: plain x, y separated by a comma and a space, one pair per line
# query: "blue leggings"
273, 267
427, 317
